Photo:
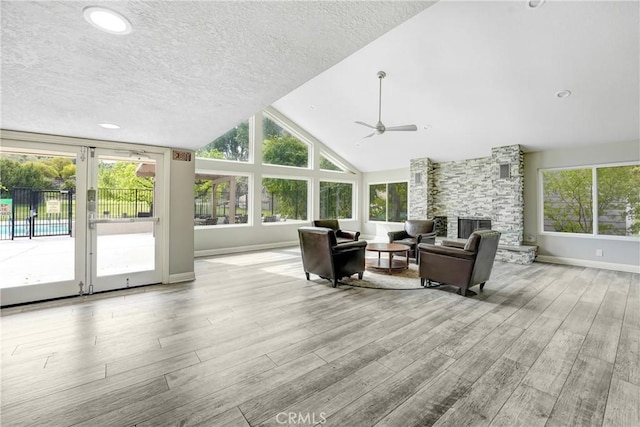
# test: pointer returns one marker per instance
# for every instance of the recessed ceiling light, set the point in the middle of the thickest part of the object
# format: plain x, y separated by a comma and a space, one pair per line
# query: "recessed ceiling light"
563, 94
313, 107
109, 125
534, 4
107, 20
427, 127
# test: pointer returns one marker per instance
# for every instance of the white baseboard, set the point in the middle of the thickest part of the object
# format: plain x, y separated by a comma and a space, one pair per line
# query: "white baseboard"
182, 277
629, 268
239, 249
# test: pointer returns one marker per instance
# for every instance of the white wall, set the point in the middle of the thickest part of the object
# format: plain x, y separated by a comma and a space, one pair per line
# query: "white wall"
181, 242
617, 253
375, 229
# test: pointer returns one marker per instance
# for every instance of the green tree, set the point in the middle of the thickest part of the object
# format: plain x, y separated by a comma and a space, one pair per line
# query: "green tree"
15, 174
290, 196
285, 150
378, 202
233, 145
618, 199
122, 175
335, 200
327, 165
568, 201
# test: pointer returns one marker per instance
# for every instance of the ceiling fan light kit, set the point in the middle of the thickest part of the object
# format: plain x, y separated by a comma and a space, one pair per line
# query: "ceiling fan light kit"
380, 128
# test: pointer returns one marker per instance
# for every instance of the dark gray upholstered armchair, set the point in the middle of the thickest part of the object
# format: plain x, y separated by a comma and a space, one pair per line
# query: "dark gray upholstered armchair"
324, 256
341, 235
459, 264
415, 231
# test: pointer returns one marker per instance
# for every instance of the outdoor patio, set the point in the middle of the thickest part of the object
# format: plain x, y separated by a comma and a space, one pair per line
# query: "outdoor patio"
25, 261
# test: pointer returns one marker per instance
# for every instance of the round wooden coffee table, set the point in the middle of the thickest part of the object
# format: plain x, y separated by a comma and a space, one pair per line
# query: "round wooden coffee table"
390, 264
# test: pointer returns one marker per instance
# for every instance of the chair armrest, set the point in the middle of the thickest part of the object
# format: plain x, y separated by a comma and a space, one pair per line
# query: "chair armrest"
353, 235
426, 237
397, 235
348, 246
446, 251
453, 244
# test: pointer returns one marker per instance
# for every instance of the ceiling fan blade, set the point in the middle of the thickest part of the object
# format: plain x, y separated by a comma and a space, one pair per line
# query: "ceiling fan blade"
369, 136
365, 124
405, 127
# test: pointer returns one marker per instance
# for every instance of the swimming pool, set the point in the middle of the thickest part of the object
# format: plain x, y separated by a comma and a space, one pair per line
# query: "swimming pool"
21, 229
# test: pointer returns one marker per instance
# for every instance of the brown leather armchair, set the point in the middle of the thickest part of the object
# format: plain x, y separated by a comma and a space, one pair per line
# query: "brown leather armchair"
459, 264
324, 256
415, 231
341, 235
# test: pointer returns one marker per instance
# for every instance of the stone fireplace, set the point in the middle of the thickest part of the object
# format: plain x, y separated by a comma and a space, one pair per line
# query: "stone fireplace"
466, 226
481, 193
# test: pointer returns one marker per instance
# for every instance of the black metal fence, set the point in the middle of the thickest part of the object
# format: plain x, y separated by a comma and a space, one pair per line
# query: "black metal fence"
30, 212
34, 212
125, 203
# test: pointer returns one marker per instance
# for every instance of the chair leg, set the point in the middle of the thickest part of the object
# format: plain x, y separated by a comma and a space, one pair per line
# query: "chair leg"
335, 283
360, 275
422, 280
306, 274
482, 285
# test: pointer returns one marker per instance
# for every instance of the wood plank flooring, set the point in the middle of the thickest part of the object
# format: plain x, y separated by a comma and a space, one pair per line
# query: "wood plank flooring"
251, 342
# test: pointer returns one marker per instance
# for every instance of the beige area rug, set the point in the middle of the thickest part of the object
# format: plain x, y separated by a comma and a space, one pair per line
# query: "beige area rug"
399, 280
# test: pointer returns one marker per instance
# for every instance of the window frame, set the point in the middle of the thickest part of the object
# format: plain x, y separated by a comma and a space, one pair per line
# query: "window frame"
250, 147
332, 159
386, 212
297, 135
354, 200
308, 180
250, 186
594, 202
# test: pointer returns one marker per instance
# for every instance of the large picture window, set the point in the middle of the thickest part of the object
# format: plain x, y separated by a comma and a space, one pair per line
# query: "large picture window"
336, 200
599, 200
221, 199
284, 199
388, 202
281, 147
233, 145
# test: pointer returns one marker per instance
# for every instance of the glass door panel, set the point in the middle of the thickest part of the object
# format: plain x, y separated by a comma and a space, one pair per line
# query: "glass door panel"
42, 230
124, 236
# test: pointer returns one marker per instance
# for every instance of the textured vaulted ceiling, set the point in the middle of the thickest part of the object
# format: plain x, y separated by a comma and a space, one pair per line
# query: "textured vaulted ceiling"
478, 74
188, 72
482, 74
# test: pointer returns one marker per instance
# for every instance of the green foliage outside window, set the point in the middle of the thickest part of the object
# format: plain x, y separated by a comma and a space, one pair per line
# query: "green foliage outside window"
335, 200
388, 202
40, 172
328, 165
378, 202
619, 200
288, 197
233, 145
568, 204
568, 200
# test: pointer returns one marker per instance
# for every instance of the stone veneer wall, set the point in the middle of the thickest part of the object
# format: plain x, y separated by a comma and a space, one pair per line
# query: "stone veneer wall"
508, 201
473, 188
420, 198
461, 189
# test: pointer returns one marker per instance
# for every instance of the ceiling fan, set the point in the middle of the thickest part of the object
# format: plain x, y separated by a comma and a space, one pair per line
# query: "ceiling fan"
379, 127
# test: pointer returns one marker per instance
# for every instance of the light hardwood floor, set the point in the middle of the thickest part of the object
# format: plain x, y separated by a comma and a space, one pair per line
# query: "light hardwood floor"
251, 342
